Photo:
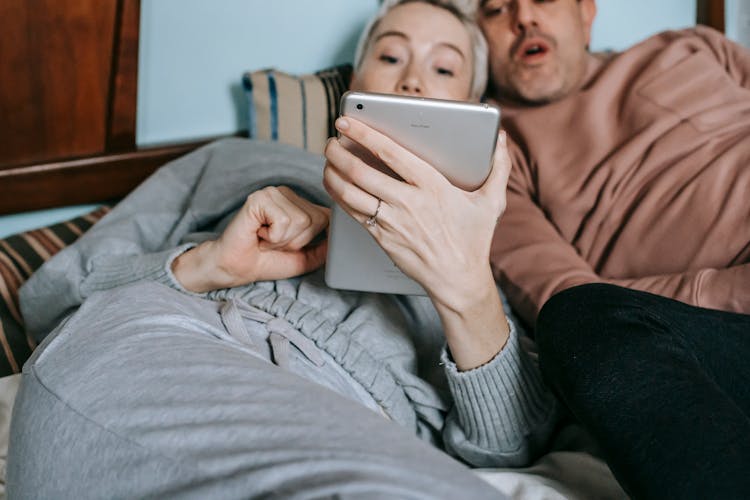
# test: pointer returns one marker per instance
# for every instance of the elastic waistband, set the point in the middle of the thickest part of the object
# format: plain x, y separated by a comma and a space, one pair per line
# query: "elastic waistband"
291, 320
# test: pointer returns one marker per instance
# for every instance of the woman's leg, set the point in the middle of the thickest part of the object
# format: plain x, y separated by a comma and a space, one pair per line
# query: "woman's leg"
664, 387
137, 396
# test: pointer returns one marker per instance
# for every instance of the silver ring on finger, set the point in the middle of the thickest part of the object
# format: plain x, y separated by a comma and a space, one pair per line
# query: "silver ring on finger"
372, 220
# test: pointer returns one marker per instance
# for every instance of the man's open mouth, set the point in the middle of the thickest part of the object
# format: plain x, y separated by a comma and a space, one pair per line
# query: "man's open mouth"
532, 50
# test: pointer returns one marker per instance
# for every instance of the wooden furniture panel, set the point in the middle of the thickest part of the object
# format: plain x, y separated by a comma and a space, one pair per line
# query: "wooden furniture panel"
55, 66
711, 13
123, 80
68, 93
86, 180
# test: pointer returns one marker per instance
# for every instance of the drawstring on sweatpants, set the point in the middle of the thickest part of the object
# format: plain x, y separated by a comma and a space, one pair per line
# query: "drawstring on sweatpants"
281, 332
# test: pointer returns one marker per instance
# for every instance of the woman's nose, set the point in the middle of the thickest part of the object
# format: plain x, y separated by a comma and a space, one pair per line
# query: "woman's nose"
410, 84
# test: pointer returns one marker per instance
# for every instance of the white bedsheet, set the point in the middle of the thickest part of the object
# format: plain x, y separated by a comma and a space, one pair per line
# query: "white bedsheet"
565, 473
8, 389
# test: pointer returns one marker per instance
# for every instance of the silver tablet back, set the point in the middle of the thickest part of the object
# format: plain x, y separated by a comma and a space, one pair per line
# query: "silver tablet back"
458, 138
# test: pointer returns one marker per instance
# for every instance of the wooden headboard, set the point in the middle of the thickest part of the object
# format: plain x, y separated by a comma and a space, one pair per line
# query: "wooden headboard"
711, 13
68, 89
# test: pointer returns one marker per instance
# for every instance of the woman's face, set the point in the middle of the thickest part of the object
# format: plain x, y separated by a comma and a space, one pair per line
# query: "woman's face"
420, 50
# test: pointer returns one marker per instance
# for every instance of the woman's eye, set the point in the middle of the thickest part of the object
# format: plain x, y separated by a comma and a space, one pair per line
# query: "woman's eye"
389, 59
444, 71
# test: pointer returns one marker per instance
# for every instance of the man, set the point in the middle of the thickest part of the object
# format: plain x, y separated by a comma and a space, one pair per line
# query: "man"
632, 179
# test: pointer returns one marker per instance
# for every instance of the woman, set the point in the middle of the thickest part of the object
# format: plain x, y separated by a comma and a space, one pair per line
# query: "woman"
205, 362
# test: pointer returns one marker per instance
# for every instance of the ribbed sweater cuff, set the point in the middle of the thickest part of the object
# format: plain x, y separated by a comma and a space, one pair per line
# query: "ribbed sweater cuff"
502, 401
119, 270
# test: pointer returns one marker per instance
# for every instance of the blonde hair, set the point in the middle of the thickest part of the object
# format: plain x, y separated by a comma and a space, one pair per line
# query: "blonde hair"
463, 10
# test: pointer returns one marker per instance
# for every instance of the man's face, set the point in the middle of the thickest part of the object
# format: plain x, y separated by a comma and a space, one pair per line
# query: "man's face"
538, 48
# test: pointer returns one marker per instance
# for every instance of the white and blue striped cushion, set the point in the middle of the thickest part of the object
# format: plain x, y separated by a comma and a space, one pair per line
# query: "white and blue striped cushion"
295, 109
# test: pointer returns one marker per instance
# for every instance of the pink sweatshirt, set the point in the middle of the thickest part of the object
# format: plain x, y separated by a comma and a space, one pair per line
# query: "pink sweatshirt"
641, 179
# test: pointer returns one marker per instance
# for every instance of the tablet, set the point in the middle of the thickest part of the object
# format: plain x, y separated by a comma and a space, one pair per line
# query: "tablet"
457, 138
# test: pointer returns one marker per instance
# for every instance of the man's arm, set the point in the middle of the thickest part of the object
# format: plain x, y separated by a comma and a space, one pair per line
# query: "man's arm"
529, 258
532, 261
725, 289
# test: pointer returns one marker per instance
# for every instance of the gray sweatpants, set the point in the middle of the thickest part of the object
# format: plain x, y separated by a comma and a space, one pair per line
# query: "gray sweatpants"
142, 393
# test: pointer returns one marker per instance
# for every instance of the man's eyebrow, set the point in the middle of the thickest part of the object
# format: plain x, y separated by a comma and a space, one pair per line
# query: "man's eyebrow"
483, 3
403, 35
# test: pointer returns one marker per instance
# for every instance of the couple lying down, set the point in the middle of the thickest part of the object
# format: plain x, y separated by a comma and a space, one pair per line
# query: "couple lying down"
205, 356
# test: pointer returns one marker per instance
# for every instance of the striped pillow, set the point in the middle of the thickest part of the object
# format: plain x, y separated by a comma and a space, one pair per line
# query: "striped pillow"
297, 110
20, 255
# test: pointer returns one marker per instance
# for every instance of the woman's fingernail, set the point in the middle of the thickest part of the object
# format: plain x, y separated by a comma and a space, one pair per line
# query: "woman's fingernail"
503, 137
342, 124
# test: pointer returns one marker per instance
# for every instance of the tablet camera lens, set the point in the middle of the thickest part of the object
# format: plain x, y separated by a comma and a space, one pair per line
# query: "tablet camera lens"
359, 106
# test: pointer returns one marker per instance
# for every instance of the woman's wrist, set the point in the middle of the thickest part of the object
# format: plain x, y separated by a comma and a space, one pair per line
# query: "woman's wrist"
476, 327
198, 271
457, 296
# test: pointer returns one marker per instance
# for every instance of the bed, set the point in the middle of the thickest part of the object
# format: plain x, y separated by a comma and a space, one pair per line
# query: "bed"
94, 159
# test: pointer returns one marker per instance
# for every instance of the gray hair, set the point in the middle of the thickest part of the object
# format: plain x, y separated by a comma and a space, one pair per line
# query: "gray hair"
463, 10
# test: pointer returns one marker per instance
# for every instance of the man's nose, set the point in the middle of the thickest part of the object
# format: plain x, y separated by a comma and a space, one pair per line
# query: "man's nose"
525, 16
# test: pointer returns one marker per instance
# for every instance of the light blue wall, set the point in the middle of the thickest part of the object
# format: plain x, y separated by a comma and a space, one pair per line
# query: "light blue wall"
738, 21
621, 23
731, 9
11, 224
193, 53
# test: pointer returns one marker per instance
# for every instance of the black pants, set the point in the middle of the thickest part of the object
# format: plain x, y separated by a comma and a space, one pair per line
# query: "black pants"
664, 387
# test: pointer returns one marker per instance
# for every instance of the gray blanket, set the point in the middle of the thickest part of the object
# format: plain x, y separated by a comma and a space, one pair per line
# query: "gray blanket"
499, 414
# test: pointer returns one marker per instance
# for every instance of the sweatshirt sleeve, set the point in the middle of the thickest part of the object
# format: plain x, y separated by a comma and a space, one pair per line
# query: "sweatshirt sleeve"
529, 258
734, 57
503, 414
133, 242
139, 238
532, 261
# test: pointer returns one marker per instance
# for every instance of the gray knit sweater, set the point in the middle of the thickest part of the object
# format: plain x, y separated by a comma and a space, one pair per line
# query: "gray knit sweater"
499, 414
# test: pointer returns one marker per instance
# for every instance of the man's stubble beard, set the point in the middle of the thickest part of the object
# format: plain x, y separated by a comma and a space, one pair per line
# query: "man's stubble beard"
519, 91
